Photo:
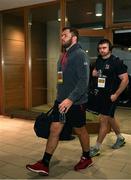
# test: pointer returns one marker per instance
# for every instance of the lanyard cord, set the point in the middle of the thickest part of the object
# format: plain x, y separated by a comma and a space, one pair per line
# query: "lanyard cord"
63, 60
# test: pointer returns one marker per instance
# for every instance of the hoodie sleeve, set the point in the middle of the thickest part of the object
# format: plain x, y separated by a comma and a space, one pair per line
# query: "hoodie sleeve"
82, 70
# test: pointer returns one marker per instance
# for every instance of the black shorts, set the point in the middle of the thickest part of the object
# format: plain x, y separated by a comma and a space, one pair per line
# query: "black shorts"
75, 117
102, 104
106, 106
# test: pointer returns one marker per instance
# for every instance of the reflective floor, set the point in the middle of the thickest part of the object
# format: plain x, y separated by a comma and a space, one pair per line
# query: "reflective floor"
19, 146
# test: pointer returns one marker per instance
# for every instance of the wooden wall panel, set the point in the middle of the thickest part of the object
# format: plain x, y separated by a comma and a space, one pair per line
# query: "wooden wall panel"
14, 78
1, 74
13, 51
14, 62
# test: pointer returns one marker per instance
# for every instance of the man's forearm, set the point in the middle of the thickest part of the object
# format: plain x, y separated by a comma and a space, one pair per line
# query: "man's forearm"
122, 87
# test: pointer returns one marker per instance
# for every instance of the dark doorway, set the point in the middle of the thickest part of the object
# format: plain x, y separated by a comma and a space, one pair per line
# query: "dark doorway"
122, 49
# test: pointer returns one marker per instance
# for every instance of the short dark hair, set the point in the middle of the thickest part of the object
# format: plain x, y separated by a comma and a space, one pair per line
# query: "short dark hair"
103, 41
74, 31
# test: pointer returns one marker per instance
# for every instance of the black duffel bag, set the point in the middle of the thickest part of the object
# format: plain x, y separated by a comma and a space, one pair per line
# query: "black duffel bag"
42, 127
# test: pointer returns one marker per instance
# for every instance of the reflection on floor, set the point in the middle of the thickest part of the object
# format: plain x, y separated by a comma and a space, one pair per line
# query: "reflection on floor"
19, 146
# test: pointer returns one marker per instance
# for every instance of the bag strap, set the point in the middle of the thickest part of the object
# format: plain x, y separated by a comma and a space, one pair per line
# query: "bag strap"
49, 110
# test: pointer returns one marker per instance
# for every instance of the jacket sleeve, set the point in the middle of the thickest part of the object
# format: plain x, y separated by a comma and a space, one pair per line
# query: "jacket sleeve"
82, 71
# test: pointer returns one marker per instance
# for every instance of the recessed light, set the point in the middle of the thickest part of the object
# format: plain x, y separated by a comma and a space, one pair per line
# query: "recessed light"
89, 13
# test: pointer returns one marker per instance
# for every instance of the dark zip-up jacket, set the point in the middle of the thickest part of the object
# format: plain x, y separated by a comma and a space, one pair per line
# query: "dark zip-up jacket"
75, 76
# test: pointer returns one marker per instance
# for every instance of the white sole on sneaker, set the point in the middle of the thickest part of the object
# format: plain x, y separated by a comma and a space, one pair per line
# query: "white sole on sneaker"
90, 165
41, 172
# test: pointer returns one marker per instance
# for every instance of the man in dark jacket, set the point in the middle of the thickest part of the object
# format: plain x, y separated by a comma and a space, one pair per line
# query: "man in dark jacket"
72, 85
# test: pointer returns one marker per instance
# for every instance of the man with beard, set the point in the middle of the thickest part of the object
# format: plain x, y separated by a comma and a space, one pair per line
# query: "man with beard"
112, 79
70, 104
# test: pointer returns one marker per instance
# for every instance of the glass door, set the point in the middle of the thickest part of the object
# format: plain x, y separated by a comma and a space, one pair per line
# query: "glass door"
45, 48
89, 40
122, 49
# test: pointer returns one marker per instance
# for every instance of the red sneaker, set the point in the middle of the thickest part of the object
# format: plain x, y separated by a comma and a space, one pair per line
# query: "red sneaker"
83, 163
38, 167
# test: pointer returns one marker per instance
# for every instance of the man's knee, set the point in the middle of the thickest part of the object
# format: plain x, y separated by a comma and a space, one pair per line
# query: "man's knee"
105, 123
104, 119
80, 130
56, 128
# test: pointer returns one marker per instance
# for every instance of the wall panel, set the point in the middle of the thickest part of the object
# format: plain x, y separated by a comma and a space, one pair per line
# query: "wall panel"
14, 61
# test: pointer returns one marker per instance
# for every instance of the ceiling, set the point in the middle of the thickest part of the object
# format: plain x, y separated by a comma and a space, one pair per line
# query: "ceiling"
85, 9
9, 4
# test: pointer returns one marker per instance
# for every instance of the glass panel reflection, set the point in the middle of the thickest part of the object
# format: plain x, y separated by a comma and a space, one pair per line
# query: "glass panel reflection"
89, 44
45, 47
122, 11
85, 14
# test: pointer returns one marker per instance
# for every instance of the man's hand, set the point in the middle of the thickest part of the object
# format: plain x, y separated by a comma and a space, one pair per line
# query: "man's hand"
65, 105
95, 73
124, 82
113, 97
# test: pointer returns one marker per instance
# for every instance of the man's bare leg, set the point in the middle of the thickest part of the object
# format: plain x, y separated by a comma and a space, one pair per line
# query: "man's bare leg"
52, 142
83, 137
120, 141
114, 125
95, 150
103, 128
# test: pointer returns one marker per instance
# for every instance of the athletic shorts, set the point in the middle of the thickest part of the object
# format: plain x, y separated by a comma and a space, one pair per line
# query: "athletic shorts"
75, 117
101, 104
106, 106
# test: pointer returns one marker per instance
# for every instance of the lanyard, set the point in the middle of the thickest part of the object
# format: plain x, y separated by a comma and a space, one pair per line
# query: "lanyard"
63, 60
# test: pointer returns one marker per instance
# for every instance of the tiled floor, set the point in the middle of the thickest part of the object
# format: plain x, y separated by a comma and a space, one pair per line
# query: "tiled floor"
19, 146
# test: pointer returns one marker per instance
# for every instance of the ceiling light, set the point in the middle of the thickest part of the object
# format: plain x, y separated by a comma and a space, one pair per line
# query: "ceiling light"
59, 15
98, 9
89, 13
129, 49
123, 31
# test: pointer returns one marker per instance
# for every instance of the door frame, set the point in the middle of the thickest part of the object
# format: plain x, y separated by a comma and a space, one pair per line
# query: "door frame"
106, 33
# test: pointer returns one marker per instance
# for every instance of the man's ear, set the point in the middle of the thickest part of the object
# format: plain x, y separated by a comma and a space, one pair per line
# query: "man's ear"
74, 38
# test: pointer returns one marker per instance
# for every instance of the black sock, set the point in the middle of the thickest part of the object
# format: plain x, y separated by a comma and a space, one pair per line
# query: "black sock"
46, 159
86, 154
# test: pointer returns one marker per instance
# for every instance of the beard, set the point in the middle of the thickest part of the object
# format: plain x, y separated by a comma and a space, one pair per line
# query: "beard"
105, 55
67, 44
